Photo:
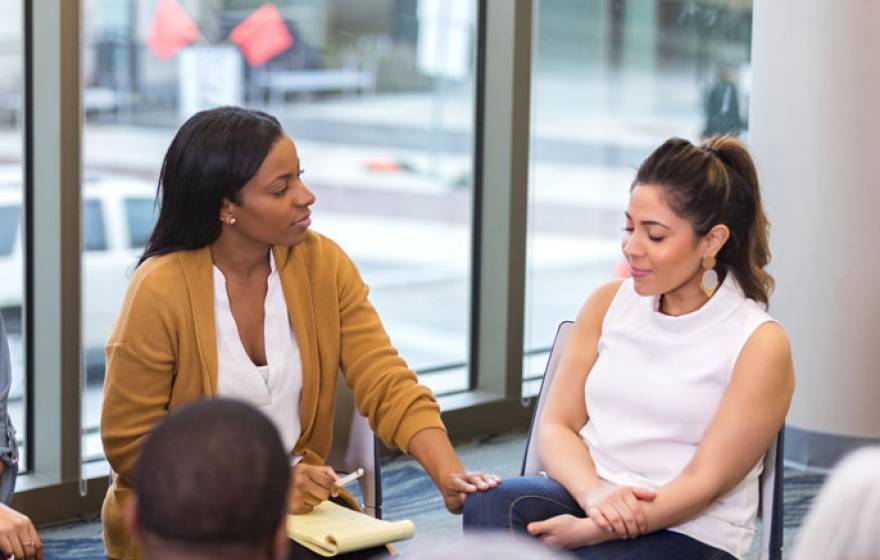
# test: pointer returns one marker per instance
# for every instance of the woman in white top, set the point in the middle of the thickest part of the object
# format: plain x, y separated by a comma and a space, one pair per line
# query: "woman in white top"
235, 296
674, 382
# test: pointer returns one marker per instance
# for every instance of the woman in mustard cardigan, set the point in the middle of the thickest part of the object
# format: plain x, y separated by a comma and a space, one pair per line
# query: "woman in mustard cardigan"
235, 296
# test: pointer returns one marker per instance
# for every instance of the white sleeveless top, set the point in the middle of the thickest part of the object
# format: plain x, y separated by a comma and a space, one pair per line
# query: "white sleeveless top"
654, 391
276, 388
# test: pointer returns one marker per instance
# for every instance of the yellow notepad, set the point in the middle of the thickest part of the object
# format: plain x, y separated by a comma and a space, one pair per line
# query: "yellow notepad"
331, 529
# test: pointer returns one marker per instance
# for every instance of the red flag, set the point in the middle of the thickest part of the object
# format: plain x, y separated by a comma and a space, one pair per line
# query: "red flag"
262, 36
170, 30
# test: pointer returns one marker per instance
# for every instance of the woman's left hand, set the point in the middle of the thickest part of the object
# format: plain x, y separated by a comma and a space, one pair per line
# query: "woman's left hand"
566, 531
619, 510
456, 486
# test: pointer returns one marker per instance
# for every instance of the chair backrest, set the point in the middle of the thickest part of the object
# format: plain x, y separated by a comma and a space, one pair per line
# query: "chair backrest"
354, 445
531, 461
771, 509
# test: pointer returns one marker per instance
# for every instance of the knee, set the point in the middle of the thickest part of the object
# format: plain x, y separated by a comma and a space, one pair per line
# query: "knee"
479, 509
493, 508
489, 509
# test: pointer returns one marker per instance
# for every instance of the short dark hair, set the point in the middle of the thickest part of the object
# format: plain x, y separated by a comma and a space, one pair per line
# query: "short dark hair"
213, 155
213, 473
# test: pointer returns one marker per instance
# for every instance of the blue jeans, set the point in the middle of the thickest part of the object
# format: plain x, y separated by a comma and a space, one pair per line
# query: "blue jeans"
519, 501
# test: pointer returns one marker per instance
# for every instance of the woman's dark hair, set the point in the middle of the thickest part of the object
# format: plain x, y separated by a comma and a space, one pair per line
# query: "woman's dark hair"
716, 183
213, 155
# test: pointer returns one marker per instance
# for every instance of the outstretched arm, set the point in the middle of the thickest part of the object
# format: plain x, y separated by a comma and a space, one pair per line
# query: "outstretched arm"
402, 412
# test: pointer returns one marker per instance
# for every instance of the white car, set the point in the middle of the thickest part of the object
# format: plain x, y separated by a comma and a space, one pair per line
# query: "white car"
117, 218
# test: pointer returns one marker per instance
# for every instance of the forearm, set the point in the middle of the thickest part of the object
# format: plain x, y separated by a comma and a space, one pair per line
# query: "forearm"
432, 449
681, 499
567, 460
678, 501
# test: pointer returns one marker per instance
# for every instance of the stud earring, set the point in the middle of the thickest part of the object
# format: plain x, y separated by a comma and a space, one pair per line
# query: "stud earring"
710, 277
230, 220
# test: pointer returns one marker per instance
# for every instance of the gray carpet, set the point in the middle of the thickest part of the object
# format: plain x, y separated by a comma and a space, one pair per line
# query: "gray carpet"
503, 456
409, 494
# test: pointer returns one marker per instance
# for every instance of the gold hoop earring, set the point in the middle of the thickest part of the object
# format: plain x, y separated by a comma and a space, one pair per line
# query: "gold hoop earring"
710, 278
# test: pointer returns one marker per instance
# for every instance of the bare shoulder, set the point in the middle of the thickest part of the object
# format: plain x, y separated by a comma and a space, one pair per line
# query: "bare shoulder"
594, 309
769, 341
766, 359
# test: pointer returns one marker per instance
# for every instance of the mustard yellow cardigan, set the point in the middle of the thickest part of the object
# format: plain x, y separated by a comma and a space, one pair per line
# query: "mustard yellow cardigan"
163, 354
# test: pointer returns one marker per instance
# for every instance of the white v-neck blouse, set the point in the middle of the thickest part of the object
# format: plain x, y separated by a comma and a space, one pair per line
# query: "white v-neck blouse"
276, 388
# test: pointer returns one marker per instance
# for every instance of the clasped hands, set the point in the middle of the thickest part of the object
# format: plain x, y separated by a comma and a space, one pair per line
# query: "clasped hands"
613, 512
311, 485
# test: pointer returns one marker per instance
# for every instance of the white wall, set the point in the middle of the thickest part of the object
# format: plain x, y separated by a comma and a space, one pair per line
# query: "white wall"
815, 114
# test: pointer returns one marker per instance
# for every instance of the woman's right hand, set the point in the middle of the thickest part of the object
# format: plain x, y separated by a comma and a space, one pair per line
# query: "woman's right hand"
310, 485
619, 510
18, 536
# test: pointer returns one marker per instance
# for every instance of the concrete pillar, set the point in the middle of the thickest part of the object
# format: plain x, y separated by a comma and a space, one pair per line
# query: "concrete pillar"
815, 117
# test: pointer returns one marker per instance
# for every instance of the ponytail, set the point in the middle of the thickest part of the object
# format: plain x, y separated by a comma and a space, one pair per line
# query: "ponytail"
716, 183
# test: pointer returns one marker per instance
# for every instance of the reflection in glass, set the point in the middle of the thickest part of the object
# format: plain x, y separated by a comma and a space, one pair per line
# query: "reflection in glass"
612, 79
9, 226
140, 214
94, 238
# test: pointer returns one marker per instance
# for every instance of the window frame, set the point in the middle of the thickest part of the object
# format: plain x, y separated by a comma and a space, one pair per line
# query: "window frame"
53, 489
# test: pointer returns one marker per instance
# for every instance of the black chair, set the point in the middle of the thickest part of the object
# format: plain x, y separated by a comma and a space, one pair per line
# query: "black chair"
771, 480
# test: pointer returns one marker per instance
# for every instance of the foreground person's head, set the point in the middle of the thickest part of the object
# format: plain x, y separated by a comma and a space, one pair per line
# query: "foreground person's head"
211, 481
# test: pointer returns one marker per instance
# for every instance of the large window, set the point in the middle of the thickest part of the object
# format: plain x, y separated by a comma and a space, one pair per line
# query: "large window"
612, 79
379, 98
12, 246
